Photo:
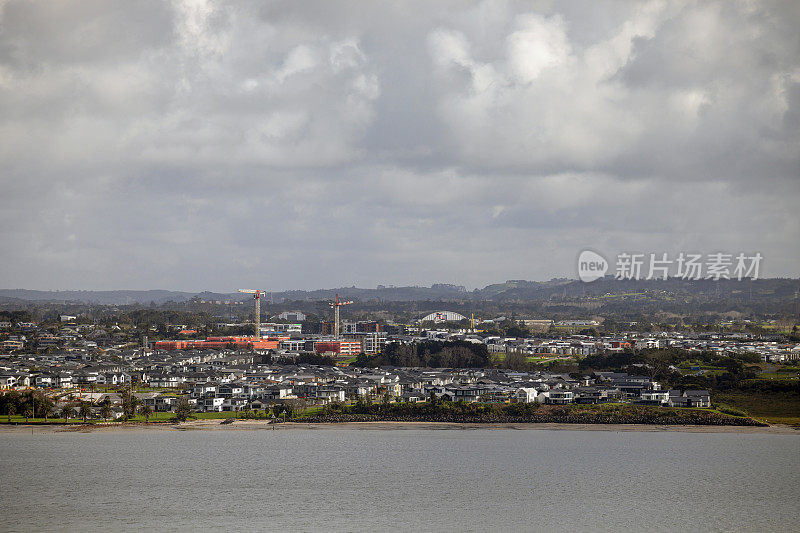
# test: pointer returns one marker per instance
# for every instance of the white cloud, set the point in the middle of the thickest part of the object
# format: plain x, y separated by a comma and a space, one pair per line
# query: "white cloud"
538, 44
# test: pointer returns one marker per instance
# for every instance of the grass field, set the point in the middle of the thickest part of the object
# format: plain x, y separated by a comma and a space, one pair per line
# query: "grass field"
775, 408
19, 419
498, 358
155, 417
311, 411
212, 415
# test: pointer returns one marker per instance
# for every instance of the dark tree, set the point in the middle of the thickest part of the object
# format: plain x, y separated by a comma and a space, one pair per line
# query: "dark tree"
183, 410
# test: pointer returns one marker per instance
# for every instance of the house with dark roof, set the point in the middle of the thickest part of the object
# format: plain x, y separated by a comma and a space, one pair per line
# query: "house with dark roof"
689, 398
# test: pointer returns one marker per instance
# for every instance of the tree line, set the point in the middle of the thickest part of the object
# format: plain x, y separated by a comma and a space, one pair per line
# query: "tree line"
35, 404
433, 354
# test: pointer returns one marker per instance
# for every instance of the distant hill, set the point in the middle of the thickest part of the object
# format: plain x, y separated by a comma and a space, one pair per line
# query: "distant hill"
776, 289
96, 297
605, 290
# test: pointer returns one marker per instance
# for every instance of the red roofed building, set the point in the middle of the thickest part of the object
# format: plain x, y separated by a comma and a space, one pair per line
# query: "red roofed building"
219, 343
338, 347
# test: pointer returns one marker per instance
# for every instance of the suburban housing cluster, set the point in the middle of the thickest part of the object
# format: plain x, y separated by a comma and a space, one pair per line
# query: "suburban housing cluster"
235, 381
369, 337
235, 373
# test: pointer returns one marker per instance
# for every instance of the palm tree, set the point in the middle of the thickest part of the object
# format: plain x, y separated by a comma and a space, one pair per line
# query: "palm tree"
28, 413
12, 410
134, 403
105, 411
85, 411
146, 411
27, 401
46, 409
129, 402
66, 412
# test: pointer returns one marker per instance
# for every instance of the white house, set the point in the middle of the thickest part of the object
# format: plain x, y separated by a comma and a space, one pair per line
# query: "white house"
330, 394
526, 394
212, 404
560, 397
660, 396
201, 389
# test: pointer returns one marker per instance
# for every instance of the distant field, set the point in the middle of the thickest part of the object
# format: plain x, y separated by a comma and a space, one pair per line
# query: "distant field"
498, 358
775, 408
540, 358
19, 419
777, 375
778, 329
618, 295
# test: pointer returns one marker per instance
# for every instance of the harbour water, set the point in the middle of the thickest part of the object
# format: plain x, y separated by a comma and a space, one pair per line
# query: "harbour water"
403, 479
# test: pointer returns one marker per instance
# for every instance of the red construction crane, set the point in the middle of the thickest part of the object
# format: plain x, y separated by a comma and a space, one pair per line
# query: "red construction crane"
336, 304
257, 297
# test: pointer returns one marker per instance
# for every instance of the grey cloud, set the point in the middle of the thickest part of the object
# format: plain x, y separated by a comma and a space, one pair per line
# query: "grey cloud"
38, 34
195, 145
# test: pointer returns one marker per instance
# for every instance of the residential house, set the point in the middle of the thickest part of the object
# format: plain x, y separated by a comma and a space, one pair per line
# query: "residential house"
560, 397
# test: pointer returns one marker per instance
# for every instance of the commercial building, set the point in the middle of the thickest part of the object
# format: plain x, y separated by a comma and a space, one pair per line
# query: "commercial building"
219, 343
270, 328
293, 316
342, 347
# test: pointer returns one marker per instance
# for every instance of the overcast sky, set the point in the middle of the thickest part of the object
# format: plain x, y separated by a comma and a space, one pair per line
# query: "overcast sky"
210, 146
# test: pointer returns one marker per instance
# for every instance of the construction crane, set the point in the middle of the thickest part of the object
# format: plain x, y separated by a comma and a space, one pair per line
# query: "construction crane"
257, 297
336, 304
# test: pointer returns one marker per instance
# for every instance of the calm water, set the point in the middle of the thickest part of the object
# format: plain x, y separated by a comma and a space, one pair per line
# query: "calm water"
427, 480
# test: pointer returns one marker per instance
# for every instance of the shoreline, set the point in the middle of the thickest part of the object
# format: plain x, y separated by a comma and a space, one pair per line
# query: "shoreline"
263, 425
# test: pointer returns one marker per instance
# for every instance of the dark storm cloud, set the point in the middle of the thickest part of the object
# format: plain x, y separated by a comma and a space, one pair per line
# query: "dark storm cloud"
200, 145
